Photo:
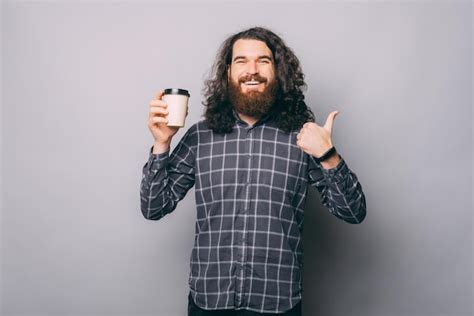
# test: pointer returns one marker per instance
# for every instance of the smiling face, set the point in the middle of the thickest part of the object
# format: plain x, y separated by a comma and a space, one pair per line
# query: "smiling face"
252, 66
251, 75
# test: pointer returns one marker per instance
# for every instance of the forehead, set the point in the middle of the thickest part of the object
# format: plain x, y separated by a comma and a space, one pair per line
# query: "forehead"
250, 48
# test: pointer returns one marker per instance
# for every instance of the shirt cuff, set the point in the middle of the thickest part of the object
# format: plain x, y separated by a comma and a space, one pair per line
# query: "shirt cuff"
157, 161
337, 173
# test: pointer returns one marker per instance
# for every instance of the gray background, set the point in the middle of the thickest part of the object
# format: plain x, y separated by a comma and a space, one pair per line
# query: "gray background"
76, 81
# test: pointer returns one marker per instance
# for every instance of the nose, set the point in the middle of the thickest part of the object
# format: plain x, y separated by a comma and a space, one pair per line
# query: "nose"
252, 68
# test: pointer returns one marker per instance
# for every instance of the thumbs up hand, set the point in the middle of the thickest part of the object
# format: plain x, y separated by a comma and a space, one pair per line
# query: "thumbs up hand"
314, 139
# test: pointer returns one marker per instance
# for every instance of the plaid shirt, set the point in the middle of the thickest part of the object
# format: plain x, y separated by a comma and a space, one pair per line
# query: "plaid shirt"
250, 190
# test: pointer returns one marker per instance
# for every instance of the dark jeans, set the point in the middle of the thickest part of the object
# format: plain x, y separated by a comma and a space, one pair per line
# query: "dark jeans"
194, 310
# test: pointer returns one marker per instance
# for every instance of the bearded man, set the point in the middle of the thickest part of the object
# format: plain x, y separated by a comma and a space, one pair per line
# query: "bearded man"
251, 160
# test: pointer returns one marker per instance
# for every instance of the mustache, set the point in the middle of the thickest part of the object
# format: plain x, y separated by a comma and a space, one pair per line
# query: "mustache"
256, 77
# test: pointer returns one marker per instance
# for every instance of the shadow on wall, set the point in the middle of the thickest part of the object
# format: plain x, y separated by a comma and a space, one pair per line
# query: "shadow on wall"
337, 261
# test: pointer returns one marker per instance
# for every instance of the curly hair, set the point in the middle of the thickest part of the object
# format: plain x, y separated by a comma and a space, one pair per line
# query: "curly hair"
289, 111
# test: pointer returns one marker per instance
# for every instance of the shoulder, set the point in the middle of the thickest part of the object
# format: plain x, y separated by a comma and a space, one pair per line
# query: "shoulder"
201, 126
195, 132
197, 127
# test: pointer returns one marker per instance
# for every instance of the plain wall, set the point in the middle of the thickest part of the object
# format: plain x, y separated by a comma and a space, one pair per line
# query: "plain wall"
76, 81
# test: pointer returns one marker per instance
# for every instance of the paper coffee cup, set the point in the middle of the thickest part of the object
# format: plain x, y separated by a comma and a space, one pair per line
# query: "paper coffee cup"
177, 101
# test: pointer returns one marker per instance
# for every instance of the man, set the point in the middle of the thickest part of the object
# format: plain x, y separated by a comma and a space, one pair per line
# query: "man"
251, 161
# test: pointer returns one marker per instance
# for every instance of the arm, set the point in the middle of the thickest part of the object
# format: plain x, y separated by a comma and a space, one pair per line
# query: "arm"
339, 188
167, 178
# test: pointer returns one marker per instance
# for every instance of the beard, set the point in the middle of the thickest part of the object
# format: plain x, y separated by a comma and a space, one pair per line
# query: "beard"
253, 103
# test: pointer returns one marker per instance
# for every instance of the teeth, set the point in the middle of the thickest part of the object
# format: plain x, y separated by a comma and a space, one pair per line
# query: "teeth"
252, 82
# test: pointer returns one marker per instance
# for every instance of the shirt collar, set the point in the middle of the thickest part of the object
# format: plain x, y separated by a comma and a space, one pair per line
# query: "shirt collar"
261, 121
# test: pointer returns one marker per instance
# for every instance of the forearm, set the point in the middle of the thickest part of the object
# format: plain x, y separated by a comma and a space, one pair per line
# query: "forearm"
167, 177
340, 191
155, 193
346, 202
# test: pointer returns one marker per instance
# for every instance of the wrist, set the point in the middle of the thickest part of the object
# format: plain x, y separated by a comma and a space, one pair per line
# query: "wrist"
328, 154
160, 147
331, 162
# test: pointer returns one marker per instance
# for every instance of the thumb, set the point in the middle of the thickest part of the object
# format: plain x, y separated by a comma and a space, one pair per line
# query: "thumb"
159, 94
330, 121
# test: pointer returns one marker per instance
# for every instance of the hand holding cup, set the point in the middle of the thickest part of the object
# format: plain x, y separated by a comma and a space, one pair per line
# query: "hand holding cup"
157, 123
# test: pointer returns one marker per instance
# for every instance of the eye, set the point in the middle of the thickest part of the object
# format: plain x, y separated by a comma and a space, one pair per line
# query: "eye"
264, 61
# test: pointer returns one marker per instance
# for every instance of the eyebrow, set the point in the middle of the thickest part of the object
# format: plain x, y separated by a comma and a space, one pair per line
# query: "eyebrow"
259, 57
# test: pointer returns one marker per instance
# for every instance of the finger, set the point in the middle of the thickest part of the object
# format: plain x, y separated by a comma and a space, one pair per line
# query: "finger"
330, 121
158, 119
158, 103
310, 125
158, 110
299, 144
159, 94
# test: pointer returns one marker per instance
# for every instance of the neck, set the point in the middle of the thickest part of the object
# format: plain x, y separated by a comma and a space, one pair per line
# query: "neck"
247, 119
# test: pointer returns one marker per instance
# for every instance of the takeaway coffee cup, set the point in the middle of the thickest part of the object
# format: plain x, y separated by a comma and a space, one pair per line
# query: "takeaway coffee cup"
177, 101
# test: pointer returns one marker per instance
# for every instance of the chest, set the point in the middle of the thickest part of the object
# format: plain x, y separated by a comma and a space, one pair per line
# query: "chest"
262, 157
